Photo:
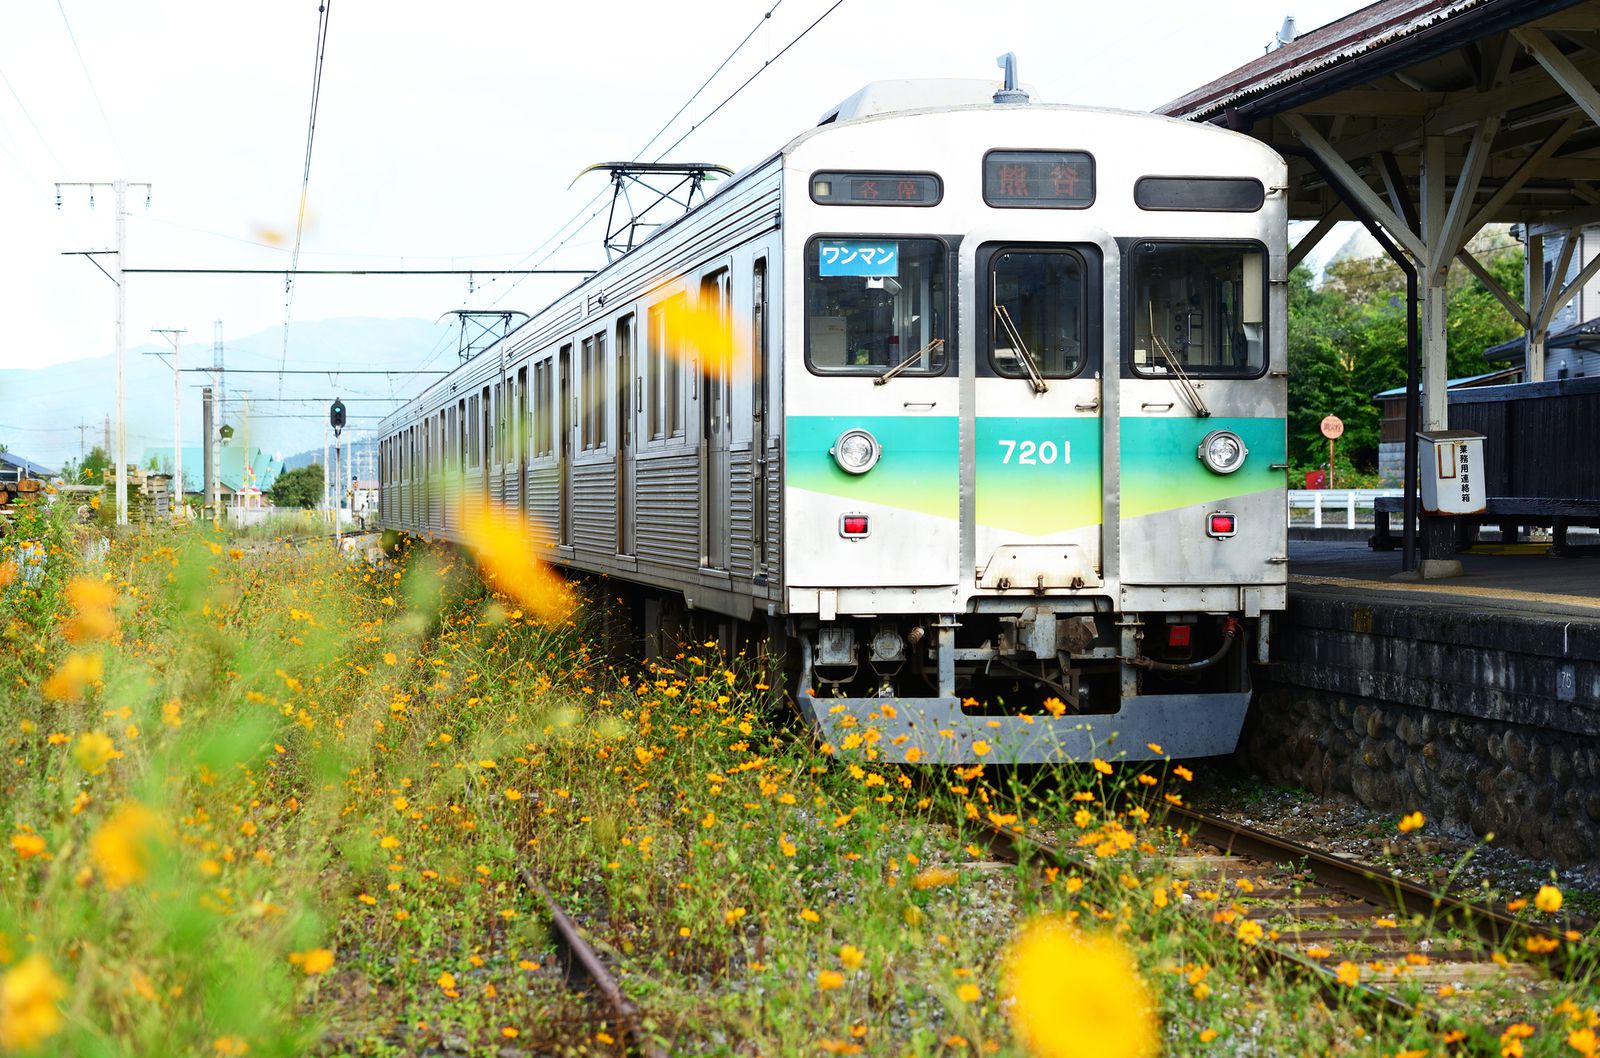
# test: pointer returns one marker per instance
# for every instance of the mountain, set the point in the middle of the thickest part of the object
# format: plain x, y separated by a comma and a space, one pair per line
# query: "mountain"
41, 409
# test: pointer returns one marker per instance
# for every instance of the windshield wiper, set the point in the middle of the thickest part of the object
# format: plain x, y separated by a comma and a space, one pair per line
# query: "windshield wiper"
932, 347
1023, 356
1186, 385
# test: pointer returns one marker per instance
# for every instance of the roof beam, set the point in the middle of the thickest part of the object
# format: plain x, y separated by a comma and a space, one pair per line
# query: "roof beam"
1529, 166
1394, 185
1552, 301
1309, 240
1562, 71
1377, 101
1466, 193
1354, 186
1560, 222
1474, 266
1556, 302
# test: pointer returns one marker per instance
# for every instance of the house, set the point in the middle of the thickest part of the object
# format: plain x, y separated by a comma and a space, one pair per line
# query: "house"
14, 468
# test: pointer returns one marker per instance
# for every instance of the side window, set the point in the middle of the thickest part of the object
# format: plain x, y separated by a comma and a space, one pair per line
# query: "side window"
596, 383
542, 434
664, 368
519, 431
1036, 317
1198, 309
586, 411
876, 304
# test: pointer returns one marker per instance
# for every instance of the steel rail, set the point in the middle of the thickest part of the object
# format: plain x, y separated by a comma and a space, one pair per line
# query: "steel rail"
1365, 882
580, 956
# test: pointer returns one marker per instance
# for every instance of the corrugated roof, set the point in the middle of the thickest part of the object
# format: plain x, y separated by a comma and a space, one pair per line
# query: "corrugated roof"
1586, 333
1455, 383
27, 466
1357, 33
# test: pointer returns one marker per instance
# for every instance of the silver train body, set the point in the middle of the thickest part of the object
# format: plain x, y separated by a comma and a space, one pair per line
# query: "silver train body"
999, 453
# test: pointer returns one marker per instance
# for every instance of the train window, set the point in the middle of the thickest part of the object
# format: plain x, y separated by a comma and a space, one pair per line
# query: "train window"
873, 304
1211, 194
592, 388
520, 432
543, 438
1038, 179
1036, 323
664, 366
1198, 309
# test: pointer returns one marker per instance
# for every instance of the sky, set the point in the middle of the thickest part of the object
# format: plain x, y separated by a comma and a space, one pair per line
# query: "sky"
447, 135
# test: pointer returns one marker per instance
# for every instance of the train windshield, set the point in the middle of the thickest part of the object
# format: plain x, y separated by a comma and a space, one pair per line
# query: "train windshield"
1198, 309
876, 304
1036, 298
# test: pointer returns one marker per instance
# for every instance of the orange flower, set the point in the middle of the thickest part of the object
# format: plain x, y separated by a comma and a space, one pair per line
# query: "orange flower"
1074, 995
71, 681
1410, 822
27, 845
126, 844
828, 980
1348, 973
1548, 899
313, 962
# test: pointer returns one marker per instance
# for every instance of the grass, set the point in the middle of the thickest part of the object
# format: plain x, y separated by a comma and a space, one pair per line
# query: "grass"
263, 799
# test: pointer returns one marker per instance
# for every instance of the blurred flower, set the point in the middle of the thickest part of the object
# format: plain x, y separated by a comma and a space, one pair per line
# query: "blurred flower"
1076, 995
125, 845
1249, 931
1548, 899
1411, 822
851, 957
71, 681
934, 876
313, 962
91, 597
968, 993
93, 751
29, 994
828, 980
1348, 973
27, 845
502, 541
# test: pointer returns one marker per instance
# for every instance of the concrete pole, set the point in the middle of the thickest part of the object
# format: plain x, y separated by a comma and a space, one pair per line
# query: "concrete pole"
121, 189
175, 337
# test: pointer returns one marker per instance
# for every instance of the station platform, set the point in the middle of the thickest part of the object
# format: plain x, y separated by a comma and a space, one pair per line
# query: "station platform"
1508, 578
1475, 700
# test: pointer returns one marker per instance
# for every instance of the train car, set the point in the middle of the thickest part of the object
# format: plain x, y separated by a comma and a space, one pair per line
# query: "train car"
999, 455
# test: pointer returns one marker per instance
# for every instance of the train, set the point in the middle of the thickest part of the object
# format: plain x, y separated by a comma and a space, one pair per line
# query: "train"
995, 459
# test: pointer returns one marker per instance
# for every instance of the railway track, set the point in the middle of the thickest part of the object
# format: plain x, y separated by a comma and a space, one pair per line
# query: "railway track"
1343, 925
584, 966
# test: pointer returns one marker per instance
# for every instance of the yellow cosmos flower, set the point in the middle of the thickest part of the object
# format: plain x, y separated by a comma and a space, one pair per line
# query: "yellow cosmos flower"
968, 993
1249, 932
126, 845
1408, 823
1076, 995
851, 957
30, 994
1348, 973
828, 980
1101, 766
935, 876
1548, 899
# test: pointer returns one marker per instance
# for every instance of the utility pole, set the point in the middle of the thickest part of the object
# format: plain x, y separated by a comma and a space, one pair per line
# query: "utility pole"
83, 428
175, 336
120, 189
106, 446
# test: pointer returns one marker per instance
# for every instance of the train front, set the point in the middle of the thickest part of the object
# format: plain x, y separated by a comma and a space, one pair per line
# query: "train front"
1034, 434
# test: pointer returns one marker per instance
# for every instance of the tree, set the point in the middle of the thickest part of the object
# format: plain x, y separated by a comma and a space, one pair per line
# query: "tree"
300, 487
1347, 342
95, 466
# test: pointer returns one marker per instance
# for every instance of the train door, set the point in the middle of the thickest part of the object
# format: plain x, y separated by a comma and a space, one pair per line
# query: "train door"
625, 412
761, 408
564, 448
1037, 487
520, 439
715, 293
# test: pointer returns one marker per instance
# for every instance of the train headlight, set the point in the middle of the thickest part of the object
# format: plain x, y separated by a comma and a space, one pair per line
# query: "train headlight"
1222, 451
856, 451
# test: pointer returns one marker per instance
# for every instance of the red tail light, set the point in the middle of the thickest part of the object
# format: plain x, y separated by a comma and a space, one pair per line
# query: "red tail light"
853, 525
1178, 635
1221, 524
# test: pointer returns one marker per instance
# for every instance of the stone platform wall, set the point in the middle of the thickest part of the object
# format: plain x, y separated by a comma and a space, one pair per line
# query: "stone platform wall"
1482, 719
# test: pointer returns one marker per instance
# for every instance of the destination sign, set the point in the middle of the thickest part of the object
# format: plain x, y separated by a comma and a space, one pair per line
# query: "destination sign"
876, 189
1038, 179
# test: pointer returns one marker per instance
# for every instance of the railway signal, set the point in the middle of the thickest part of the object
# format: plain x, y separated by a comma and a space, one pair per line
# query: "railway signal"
336, 417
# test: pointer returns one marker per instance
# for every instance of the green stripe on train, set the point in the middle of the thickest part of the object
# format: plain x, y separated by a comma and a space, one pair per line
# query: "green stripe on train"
1161, 470
1036, 476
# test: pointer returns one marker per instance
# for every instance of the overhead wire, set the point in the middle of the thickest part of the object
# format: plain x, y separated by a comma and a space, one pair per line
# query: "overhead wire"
36, 130
324, 9
767, 15
92, 90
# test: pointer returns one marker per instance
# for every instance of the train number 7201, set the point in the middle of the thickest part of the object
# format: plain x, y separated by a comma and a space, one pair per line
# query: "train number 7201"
1033, 453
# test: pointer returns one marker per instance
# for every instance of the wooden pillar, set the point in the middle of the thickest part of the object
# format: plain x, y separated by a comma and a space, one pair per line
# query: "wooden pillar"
1435, 337
1534, 370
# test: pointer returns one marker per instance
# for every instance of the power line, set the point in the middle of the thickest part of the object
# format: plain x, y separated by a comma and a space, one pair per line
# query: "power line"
23, 107
295, 272
323, 10
92, 90
310, 371
720, 67
797, 39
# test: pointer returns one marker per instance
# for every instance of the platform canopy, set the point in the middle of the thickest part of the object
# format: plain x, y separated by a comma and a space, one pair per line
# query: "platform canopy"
1431, 119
